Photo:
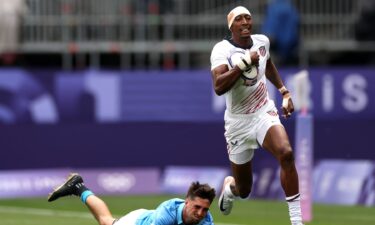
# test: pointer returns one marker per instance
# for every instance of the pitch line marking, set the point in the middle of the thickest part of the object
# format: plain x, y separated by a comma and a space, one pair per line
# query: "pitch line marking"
86, 215
59, 213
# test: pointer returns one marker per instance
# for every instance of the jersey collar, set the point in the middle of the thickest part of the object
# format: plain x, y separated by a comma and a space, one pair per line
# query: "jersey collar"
230, 40
179, 213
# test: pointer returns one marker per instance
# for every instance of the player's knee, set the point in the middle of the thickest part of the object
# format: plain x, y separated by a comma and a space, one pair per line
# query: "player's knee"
286, 157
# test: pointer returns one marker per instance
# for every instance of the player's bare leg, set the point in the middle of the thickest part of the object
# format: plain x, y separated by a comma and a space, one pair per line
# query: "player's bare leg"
277, 142
100, 210
74, 185
243, 177
237, 186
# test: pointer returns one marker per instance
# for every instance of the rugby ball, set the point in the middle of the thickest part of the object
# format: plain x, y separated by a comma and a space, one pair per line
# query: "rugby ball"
251, 73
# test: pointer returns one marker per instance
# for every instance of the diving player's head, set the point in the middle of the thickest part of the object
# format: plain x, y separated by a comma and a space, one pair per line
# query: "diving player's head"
197, 203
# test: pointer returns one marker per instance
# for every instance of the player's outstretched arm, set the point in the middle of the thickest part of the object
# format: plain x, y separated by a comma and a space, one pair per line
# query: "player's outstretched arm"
273, 75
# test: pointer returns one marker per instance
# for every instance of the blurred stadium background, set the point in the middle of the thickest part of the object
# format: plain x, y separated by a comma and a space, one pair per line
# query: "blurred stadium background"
120, 91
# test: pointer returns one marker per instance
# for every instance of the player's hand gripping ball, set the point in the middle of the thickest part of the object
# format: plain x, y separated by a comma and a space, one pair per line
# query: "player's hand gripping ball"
241, 58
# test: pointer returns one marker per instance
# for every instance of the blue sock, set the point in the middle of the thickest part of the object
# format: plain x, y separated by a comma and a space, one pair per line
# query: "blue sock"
86, 194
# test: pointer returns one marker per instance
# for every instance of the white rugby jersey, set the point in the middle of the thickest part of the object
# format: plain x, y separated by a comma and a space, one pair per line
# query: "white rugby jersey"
243, 98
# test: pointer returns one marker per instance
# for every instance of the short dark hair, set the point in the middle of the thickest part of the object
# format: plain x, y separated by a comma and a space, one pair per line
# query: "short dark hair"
201, 190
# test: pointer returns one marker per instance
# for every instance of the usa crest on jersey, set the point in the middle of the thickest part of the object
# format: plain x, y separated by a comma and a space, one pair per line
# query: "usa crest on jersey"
262, 51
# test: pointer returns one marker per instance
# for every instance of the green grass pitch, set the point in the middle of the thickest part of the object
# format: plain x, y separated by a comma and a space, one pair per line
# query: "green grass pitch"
70, 211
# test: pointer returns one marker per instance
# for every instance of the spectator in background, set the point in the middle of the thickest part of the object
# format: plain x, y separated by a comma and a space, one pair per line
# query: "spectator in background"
364, 28
10, 16
281, 26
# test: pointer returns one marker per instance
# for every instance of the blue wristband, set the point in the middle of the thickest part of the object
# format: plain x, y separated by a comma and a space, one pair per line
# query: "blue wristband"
86, 194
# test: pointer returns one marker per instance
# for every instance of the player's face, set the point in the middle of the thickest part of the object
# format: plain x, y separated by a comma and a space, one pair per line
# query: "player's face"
195, 210
242, 26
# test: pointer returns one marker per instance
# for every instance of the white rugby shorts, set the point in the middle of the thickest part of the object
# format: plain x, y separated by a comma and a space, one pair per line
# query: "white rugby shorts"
246, 132
130, 218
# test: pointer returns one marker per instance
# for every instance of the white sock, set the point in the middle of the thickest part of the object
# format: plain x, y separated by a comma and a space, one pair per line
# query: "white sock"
294, 205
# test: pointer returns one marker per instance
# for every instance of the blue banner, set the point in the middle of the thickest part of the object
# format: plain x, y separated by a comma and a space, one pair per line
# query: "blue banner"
177, 179
340, 92
116, 96
113, 181
344, 182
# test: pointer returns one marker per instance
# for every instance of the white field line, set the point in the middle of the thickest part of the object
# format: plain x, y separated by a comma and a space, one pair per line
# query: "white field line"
56, 213
86, 215
44, 212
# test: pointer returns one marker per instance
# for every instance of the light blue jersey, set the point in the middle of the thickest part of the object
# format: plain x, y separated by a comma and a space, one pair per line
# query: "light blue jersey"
169, 213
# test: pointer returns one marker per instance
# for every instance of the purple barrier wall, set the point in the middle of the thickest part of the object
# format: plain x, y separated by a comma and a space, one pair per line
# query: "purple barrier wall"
51, 97
335, 181
153, 144
151, 118
158, 144
344, 182
33, 183
177, 179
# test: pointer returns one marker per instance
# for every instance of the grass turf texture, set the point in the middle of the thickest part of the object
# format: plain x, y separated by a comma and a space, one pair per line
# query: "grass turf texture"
71, 211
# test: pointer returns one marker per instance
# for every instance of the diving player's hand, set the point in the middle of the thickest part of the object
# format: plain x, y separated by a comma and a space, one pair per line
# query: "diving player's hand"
287, 105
